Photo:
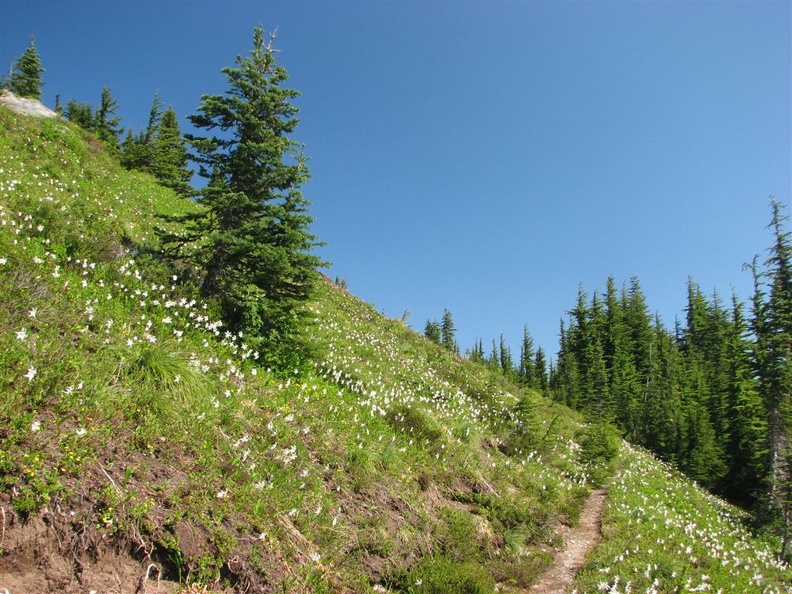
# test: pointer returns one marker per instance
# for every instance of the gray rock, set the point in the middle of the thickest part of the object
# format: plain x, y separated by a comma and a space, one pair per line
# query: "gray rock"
25, 106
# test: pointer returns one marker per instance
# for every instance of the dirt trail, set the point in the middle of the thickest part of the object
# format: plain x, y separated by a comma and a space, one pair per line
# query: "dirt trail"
577, 542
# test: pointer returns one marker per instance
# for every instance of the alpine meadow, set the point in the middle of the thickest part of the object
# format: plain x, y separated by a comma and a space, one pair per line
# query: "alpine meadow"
189, 405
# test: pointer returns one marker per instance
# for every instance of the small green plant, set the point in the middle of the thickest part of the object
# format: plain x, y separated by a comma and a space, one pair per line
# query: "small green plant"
168, 548
441, 575
415, 422
459, 536
600, 445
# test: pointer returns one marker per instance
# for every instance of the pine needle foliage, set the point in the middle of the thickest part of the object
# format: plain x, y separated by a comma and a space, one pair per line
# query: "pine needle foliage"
25, 76
252, 239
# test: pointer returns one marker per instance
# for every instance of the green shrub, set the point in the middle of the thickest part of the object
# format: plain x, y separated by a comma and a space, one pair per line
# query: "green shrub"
415, 422
600, 444
459, 536
441, 575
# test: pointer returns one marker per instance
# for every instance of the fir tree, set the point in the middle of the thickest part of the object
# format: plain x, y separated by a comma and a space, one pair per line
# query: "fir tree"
505, 358
477, 353
527, 369
432, 331
105, 123
81, 114
747, 444
138, 150
252, 239
494, 358
448, 332
25, 76
170, 156
160, 150
540, 370
772, 327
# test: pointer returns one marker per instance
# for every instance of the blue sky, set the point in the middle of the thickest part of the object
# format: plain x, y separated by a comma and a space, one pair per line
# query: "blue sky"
484, 157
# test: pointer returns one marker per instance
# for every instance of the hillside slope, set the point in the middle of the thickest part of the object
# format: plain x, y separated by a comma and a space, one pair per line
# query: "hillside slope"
145, 449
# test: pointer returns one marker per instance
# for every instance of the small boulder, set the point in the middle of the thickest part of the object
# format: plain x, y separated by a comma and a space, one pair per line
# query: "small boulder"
25, 106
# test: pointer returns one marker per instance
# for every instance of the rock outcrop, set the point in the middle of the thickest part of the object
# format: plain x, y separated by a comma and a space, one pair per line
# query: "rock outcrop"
25, 106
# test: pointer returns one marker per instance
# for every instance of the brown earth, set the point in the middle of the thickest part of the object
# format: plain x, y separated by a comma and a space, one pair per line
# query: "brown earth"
578, 541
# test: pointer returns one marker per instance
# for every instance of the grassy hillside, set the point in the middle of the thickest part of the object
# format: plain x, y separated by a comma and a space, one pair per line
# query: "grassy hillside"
145, 449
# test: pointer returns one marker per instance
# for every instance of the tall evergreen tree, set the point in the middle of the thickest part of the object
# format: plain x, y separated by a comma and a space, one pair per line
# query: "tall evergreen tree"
540, 370
505, 357
252, 239
138, 150
527, 369
663, 422
25, 76
773, 330
160, 150
448, 332
170, 155
477, 353
81, 114
106, 122
564, 381
432, 331
494, 358
747, 444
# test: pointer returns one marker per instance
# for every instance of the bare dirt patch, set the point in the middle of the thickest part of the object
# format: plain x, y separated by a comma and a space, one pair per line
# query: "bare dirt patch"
578, 541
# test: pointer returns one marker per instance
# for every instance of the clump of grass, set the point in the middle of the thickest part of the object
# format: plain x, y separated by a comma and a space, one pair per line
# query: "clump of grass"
441, 575
415, 422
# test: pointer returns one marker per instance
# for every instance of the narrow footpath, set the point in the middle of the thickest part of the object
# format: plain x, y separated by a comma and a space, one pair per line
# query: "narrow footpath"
577, 542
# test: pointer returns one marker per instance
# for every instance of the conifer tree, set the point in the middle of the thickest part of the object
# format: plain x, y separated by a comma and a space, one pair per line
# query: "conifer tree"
137, 151
527, 369
170, 156
448, 332
81, 114
432, 331
25, 76
540, 370
772, 326
252, 239
747, 439
663, 423
155, 117
505, 357
160, 150
105, 122
494, 358
477, 353
564, 382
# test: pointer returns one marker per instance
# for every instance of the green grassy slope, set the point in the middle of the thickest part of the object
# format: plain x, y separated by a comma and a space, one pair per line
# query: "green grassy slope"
143, 448
663, 533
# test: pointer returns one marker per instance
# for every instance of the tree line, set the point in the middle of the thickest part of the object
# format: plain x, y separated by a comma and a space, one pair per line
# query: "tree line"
711, 395
531, 370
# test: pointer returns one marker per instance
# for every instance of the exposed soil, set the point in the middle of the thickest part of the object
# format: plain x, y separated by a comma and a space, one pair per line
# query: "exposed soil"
578, 541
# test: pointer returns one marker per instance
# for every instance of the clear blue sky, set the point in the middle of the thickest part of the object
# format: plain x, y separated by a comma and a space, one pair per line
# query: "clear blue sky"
484, 157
